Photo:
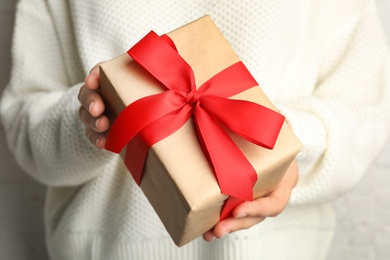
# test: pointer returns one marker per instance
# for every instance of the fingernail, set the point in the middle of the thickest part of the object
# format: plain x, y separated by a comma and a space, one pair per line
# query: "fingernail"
97, 141
97, 123
90, 106
211, 239
242, 215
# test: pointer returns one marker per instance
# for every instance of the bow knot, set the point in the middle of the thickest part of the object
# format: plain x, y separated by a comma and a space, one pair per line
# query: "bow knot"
192, 97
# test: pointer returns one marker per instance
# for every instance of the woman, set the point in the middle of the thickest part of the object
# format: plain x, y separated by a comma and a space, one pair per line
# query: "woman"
324, 64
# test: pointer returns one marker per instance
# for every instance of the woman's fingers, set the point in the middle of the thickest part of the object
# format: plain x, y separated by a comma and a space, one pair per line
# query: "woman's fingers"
275, 202
95, 129
92, 101
269, 206
251, 213
232, 224
92, 109
96, 126
247, 215
96, 138
92, 80
208, 236
99, 124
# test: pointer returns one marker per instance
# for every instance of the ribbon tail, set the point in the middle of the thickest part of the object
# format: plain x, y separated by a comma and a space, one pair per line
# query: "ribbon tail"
235, 175
229, 205
135, 157
137, 149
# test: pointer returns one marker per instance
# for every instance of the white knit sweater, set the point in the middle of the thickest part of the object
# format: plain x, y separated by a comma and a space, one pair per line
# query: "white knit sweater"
324, 64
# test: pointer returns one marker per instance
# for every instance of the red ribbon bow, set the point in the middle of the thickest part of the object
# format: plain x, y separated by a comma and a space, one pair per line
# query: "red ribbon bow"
152, 118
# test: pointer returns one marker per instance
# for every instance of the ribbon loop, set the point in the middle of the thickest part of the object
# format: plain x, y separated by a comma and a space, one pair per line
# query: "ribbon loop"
264, 123
163, 62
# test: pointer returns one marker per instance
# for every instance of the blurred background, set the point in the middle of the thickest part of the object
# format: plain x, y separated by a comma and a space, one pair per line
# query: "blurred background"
363, 229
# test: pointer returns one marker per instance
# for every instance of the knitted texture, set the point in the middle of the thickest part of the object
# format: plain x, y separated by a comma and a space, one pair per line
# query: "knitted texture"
324, 64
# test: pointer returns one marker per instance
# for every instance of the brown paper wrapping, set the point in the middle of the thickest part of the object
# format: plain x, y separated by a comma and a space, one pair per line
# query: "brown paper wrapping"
177, 179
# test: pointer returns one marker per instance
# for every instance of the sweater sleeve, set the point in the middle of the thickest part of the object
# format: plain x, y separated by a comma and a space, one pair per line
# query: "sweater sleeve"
39, 107
345, 122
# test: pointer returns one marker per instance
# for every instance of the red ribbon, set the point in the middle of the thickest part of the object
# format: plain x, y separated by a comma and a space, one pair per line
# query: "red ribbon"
152, 118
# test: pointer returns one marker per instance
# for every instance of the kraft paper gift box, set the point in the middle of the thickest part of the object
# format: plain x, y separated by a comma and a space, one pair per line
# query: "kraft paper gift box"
177, 178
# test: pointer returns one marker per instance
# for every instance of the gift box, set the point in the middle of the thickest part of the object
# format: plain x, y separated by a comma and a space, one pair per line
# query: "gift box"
178, 175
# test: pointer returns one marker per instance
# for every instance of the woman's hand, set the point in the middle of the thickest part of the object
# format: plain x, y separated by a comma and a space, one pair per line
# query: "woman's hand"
92, 108
253, 212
